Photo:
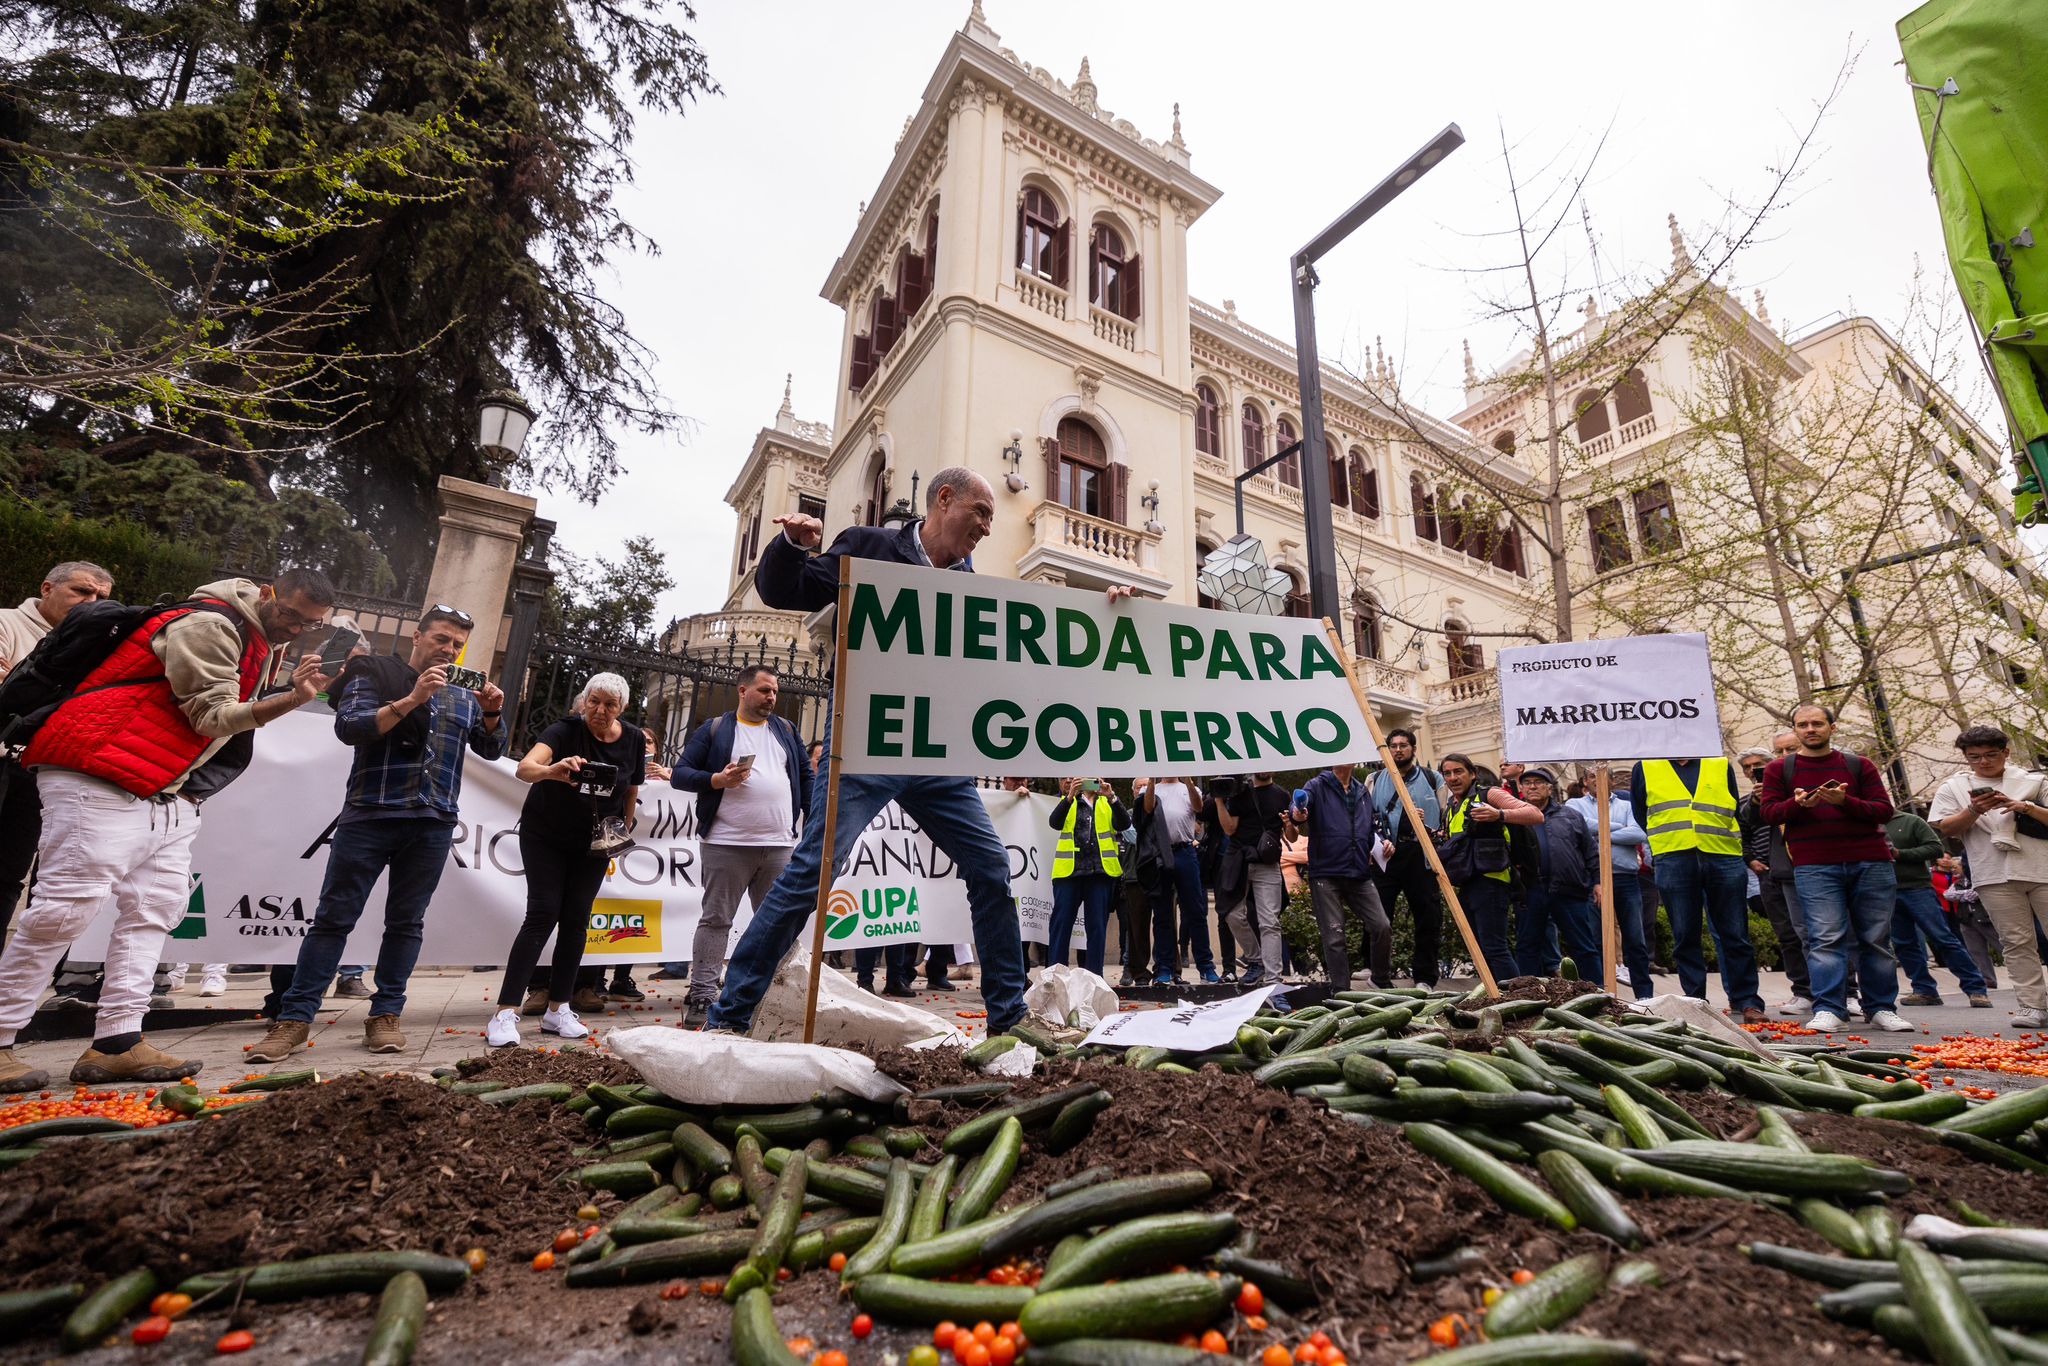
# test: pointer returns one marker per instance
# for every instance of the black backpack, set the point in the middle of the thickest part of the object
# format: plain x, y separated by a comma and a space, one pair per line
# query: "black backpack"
89, 633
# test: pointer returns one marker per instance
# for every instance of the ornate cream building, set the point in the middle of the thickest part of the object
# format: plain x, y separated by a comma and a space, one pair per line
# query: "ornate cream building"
1015, 299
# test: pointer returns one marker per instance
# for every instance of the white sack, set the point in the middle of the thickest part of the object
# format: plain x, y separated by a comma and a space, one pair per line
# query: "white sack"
728, 1069
1703, 1017
1069, 996
846, 1014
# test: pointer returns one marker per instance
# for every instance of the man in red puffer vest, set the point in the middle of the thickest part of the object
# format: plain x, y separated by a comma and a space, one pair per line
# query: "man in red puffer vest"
121, 768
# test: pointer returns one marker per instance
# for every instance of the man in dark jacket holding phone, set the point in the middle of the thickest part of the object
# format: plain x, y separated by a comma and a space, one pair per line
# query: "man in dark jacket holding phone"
1345, 847
753, 786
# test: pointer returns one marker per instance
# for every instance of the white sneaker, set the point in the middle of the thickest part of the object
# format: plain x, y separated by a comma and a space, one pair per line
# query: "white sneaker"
2030, 1019
214, 982
562, 1021
1826, 1022
1797, 1006
503, 1030
1621, 976
179, 972
1891, 1022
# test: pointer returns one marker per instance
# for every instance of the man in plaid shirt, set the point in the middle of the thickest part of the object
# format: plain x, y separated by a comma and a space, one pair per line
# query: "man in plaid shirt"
409, 729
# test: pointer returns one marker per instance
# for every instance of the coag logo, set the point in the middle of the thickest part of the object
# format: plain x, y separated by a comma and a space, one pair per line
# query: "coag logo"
842, 914
621, 925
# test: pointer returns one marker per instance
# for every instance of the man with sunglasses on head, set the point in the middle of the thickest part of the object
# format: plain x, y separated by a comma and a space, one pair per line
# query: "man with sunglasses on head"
409, 727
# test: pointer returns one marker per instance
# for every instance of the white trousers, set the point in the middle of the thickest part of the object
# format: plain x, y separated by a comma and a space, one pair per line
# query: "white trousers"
99, 842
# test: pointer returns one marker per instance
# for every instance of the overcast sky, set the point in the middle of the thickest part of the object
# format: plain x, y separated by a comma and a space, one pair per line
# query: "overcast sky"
1292, 109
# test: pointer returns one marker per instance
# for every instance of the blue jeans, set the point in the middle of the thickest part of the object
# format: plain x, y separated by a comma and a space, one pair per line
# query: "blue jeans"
1088, 893
1916, 912
1547, 919
1628, 926
1184, 886
1688, 881
1486, 906
1849, 909
415, 849
947, 809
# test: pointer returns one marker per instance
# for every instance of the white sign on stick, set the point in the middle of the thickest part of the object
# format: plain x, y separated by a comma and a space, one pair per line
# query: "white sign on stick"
1190, 1028
1641, 697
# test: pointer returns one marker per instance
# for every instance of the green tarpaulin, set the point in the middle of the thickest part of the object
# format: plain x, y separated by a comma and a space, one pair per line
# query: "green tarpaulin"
1987, 154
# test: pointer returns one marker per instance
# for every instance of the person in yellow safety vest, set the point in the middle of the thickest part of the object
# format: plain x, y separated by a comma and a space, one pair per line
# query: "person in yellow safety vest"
1476, 805
1085, 866
1687, 806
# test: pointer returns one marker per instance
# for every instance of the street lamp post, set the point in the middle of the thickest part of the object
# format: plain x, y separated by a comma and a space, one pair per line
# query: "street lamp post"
1315, 471
503, 418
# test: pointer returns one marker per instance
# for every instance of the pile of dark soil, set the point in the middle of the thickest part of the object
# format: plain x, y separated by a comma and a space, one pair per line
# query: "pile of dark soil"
524, 1067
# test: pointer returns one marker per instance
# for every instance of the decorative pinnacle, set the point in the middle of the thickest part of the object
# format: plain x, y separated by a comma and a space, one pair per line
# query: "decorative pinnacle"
1681, 259
1763, 314
1471, 373
1176, 127
787, 380
1084, 88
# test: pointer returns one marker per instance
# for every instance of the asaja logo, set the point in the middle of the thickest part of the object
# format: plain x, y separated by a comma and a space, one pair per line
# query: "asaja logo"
623, 926
878, 913
842, 914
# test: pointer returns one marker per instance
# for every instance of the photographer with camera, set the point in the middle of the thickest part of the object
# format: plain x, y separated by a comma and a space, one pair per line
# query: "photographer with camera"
585, 772
409, 721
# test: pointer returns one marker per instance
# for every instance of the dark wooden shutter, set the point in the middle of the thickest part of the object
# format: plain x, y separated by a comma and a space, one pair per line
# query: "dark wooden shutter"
1129, 278
1023, 259
1051, 446
1119, 487
863, 363
1061, 240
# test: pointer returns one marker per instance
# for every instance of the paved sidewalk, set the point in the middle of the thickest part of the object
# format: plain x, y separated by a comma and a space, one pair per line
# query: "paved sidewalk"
447, 1007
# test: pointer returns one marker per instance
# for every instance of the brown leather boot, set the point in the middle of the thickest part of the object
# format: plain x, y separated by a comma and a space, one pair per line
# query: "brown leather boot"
536, 1001
277, 1045
380, 1034
144, 1062
16, 1075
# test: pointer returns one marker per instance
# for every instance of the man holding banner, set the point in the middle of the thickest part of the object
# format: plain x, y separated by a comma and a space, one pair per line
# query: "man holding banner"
959, 506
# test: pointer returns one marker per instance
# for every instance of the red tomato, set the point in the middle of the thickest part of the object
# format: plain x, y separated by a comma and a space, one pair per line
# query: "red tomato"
1002, 1351
831, 1358
862, 1325
241, 1340
1276, 1355
838, 1261
1215, 1343
942, 1336
978, 1354
1251, 1299
984, 1332
566, 1239
151, 1330
544, 1261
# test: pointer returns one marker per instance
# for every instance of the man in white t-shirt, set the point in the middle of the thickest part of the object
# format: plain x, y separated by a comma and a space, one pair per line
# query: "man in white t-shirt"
1176, 801
2008, 867
753, 785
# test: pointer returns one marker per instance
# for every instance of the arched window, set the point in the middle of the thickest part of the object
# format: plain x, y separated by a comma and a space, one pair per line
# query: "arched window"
1504, 442
862, 366
882, 325
931, 250
1479, 533
1507, 549
1365, 485
1340, 487
1365, 627
1112, 273
1083, 482
1297, 595
1041, 237
1451, 523
1424, 504
1592, 420
1463, 656
909, 280
1631, 398
1208, 421
1202, 553
1252, 432
878, 492
1284, 436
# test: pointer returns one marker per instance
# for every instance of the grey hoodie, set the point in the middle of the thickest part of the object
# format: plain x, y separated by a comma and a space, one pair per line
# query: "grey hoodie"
202, 657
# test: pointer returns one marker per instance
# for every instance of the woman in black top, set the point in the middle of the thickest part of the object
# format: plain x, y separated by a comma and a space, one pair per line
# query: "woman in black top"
563, 811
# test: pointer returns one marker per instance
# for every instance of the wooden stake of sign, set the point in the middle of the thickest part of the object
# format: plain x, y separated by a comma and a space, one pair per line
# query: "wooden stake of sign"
831, 860
1415, 821
1610, 938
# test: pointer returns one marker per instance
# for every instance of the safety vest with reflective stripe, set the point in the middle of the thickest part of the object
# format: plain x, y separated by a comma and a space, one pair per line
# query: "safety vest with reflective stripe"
1702, 819
1455, 824
1105, 842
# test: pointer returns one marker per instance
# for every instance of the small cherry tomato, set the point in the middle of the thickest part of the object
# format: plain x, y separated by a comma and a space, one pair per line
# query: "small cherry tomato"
1251, 1299
1011, 1331
977, 1355
170, 1304
783, 1273
942, 1336
475, 1259
1320, 1339
151, 1330
1308, 1354
1255, 1322
862, 1325
544, 1261
984, 1332
566, 1239
1002, 1351
1523, 1276
838, 1262
831, 1358
1215, 1343
1276, 1355
241, 1340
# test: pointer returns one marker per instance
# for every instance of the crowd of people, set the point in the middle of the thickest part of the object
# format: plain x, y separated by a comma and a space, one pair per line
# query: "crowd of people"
122, 721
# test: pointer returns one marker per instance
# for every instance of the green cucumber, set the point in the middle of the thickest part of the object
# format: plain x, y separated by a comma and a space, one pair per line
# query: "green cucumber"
1921, 1109
1117, 1352
1950, 1322
1063, 1252
1508, 1187
285, 1081
988, 1050
64, 1126
1282, 1285
554, 1091
1139, 1244
968, 1093
1151, 1306
643, 1119
1365, 1073
897, 1201
401, 1310
902, 1142
2011, 1114
24, 1309
1037, 1225
1596, 1207
1314, 1036
706, 1153
1774, 1130
1639, 1124
1838, 1273
814, 1247
101, 1312
1075, 1121
1881, 1228
1286, 1073
779, 1221
846, 1185
620, 1178
1551, 1298
978, 1132
756, 1340
1545, 1349
928, 1211
908, 1299
755, 1178
1043, 1043
992, 1174
182, 1100
334, 1273
1774, 1169
1630, 1175
1092, 1176
700, 1254
610, 1098
2016, 1301
1635, 1273
1983, 1149
790, 1128
1597, 1069
1255, 1044
727, 1192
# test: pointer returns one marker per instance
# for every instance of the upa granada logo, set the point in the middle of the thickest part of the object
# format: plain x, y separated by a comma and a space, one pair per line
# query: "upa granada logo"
618, 925
877, 913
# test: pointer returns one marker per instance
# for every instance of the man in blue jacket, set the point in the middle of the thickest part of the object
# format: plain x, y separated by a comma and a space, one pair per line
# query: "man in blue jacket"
753, 786
1559, 897
959, 506
1344, 835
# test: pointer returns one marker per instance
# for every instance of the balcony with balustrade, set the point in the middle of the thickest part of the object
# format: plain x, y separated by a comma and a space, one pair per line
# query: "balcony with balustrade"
1083, 551
1042, 294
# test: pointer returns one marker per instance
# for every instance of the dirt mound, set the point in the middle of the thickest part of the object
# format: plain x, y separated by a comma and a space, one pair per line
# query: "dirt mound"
525, 1066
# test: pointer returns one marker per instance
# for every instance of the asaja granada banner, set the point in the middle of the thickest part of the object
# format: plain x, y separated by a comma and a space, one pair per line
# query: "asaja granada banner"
262, 851
957, 673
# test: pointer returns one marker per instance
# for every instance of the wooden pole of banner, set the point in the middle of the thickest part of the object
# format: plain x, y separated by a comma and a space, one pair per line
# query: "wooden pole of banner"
1610, 938
1415, 821
830, 863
